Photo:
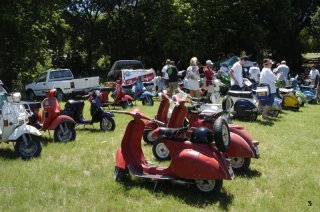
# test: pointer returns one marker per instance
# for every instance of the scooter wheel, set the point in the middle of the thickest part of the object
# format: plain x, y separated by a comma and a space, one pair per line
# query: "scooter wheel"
209, 186
160, 151
119, 174
240, 163
221, 134
147, 136
274, 113
64, 132
30, 149
107, 124
148, 101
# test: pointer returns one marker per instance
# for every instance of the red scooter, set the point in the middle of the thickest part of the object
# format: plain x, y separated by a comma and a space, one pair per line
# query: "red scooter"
119, 96
62, 125
196, 162
242, 147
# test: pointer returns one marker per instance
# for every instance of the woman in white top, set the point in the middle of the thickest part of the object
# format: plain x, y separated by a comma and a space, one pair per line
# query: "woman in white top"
268, 77
193, 77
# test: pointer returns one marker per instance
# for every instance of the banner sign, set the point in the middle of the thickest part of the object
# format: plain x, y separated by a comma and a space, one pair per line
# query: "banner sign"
129, 76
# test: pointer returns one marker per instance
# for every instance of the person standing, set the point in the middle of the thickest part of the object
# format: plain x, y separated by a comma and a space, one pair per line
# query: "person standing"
313, 75
172, 72
209, 74
282, 72
268, 78
236, 74
254, 75
193, 77
164, 72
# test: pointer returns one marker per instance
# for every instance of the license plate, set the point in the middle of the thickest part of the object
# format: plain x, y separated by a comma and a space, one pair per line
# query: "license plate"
257, 151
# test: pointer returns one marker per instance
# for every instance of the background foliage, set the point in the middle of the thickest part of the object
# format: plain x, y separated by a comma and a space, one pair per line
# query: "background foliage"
88, 35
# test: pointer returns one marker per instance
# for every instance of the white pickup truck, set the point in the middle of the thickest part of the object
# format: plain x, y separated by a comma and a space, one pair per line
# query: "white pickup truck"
63, 81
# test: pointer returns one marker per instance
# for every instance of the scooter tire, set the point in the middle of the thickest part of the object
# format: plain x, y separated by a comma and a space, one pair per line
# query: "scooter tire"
160, 151
147, 138
124, 105
21, 149
120, 174
274, 113
72, 135
209, 188
240, 164
221, 134
148, 101
109, 128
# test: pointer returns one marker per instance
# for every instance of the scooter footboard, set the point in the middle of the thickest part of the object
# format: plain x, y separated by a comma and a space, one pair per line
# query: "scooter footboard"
200, 166
23, 129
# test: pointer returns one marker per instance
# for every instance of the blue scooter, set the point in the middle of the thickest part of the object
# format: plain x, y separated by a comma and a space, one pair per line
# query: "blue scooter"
140, 92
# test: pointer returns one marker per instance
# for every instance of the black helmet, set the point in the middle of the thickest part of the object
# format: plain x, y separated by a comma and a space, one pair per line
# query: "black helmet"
202, 135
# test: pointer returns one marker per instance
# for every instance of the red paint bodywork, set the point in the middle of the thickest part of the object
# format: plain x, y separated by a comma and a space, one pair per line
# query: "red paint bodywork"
121, 95
51, 110
241, 142
189, 160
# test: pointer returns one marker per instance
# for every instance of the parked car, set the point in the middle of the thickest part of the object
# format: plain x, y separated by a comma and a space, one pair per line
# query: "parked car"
63, 80
115, 71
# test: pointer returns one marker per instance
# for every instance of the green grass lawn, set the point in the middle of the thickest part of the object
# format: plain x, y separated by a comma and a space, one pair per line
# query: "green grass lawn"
78, 176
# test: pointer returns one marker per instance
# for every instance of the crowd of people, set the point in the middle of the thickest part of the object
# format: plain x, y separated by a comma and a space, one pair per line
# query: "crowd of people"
271, 73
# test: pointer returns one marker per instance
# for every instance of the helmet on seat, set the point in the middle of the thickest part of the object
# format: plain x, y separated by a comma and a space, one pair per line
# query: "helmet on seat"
201, 135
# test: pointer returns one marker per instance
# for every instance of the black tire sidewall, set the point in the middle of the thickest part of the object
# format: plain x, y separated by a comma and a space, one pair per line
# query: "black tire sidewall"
218, 136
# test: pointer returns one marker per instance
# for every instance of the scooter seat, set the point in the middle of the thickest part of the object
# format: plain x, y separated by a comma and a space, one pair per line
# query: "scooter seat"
172, 133
241, 94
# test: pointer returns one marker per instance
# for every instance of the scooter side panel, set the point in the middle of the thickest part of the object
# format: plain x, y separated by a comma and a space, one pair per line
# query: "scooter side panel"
239, 147
59, 119
131, 145
23, 129
191, 164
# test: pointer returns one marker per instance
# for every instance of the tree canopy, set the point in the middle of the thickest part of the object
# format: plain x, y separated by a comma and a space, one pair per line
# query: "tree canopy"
88, 35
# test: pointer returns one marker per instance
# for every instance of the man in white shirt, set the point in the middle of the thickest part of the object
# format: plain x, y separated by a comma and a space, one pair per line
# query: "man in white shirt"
165, 75
254, 74
313, 74
282, 72
267, 77
236, 74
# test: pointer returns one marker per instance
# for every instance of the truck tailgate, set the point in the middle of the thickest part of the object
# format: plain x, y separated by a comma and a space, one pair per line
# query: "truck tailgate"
84, 84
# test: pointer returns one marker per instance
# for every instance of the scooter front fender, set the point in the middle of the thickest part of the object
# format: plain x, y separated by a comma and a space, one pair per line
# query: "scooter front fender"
107, 114
126, 98
120, 162
59, 119
239, 147
23, 129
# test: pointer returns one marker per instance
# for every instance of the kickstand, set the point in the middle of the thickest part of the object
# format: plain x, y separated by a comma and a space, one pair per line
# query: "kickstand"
155, 185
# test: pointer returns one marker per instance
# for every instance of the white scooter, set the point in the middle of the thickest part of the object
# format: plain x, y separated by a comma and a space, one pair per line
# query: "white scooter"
14, 127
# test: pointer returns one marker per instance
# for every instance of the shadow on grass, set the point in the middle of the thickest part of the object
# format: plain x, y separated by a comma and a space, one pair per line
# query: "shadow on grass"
251, 173
188, 194
8, 154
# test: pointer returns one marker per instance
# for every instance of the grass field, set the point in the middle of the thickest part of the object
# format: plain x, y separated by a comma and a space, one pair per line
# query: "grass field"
78, 176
